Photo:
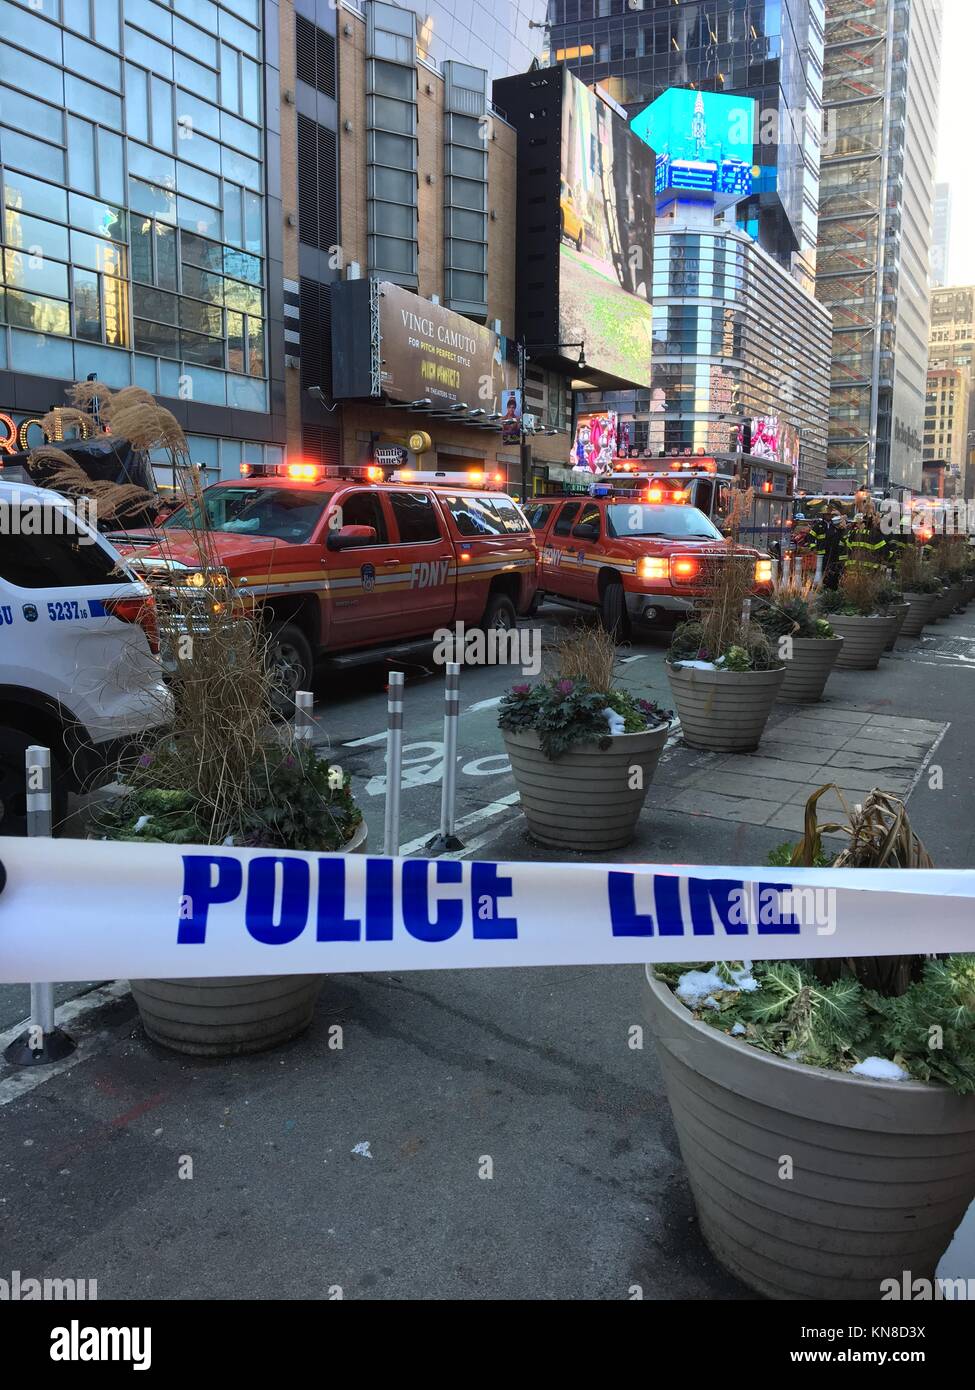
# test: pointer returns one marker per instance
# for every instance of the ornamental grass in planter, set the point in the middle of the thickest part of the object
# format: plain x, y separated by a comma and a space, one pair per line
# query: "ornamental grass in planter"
724, 672
950, 558
919, 585
222, 774
825, 1109
855, 611
892, 602
806, 643
583, 752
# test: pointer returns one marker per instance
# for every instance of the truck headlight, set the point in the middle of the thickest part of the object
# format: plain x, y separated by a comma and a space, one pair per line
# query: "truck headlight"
652, 567
763, 571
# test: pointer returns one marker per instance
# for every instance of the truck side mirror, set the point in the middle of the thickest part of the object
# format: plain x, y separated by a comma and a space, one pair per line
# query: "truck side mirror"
347, 536
586, 532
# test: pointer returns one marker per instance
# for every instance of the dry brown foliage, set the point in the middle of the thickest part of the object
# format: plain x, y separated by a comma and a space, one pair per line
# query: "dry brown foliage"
587, 654
860, 586
114, 502
82, 393
721, 619
950, 555
879, 836
742, 502
912, 569
145, 424
65, 417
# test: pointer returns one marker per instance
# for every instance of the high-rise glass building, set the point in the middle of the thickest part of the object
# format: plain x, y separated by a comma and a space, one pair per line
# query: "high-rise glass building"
140, 213
876, 192
771, 50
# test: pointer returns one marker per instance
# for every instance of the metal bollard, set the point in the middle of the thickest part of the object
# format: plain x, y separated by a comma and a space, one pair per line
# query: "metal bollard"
787, 567
304, 722
394, 762
43, 1041
447, 839
819, 571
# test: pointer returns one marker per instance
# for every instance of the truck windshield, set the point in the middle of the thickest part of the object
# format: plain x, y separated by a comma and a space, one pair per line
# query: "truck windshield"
645, 519
286, 514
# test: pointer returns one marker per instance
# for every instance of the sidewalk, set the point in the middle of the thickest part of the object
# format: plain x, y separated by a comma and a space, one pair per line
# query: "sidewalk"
446, 1076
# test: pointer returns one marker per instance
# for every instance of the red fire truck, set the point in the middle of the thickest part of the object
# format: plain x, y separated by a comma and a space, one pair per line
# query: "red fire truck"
710, 485
345, 569
631, 559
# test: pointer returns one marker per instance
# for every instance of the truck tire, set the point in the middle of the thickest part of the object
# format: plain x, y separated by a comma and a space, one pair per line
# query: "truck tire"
14, 744
500, 613
290, 661
612, 611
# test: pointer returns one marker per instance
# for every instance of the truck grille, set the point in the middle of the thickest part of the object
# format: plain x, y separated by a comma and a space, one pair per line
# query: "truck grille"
708, 567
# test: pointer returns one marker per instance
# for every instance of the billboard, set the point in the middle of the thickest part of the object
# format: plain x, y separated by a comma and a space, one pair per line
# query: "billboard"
704, 143
428, 352
606, 217
596, 443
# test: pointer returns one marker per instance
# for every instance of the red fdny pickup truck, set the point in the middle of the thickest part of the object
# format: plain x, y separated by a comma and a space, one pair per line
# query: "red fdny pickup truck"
345, 569
633, 560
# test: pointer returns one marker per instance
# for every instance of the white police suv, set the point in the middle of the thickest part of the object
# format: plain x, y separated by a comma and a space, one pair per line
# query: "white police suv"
79, 650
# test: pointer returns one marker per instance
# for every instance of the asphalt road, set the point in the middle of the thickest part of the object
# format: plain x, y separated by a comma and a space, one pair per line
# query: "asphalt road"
479, 1133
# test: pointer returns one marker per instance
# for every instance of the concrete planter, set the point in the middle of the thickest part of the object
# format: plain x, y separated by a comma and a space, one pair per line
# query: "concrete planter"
866, 639
807, 671
228, 1015
899, 612
882, 1172
946, 602
918, 613
725, 711
584, 800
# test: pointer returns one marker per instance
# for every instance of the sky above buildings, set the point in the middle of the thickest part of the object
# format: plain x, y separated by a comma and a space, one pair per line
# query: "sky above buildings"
954, 137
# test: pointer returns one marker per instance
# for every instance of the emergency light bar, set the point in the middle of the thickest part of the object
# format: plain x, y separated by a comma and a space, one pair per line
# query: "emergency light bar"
473, 477
297, 472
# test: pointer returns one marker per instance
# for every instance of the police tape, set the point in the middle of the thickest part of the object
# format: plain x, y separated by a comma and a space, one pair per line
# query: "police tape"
79, 910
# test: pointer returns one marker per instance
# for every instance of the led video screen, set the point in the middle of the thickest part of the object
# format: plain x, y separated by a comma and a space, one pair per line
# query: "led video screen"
606, 215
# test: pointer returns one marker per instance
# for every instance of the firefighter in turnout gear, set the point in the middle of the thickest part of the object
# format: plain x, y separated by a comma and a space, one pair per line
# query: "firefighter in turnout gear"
868, 544
827, 538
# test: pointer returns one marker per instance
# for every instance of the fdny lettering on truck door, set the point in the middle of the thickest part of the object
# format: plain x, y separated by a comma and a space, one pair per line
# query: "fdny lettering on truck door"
426, 574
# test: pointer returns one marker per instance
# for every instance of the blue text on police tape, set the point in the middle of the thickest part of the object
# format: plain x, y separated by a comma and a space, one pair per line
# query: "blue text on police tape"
280, 900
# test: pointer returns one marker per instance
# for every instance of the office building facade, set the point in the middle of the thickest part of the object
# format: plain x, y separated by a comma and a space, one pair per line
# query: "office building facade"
876, 194
141, 215
397, 171
941, 234
946, 418
772, 52
951, 347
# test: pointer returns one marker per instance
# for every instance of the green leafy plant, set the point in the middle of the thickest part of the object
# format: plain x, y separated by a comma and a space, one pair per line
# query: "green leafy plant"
564, 713
917, 1012
788, 610
294, 800
929, 1030
751, 651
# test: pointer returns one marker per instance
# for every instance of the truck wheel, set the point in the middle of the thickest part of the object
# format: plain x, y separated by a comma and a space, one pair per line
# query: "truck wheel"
290, 664
14, 744
500, 613
612, 611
